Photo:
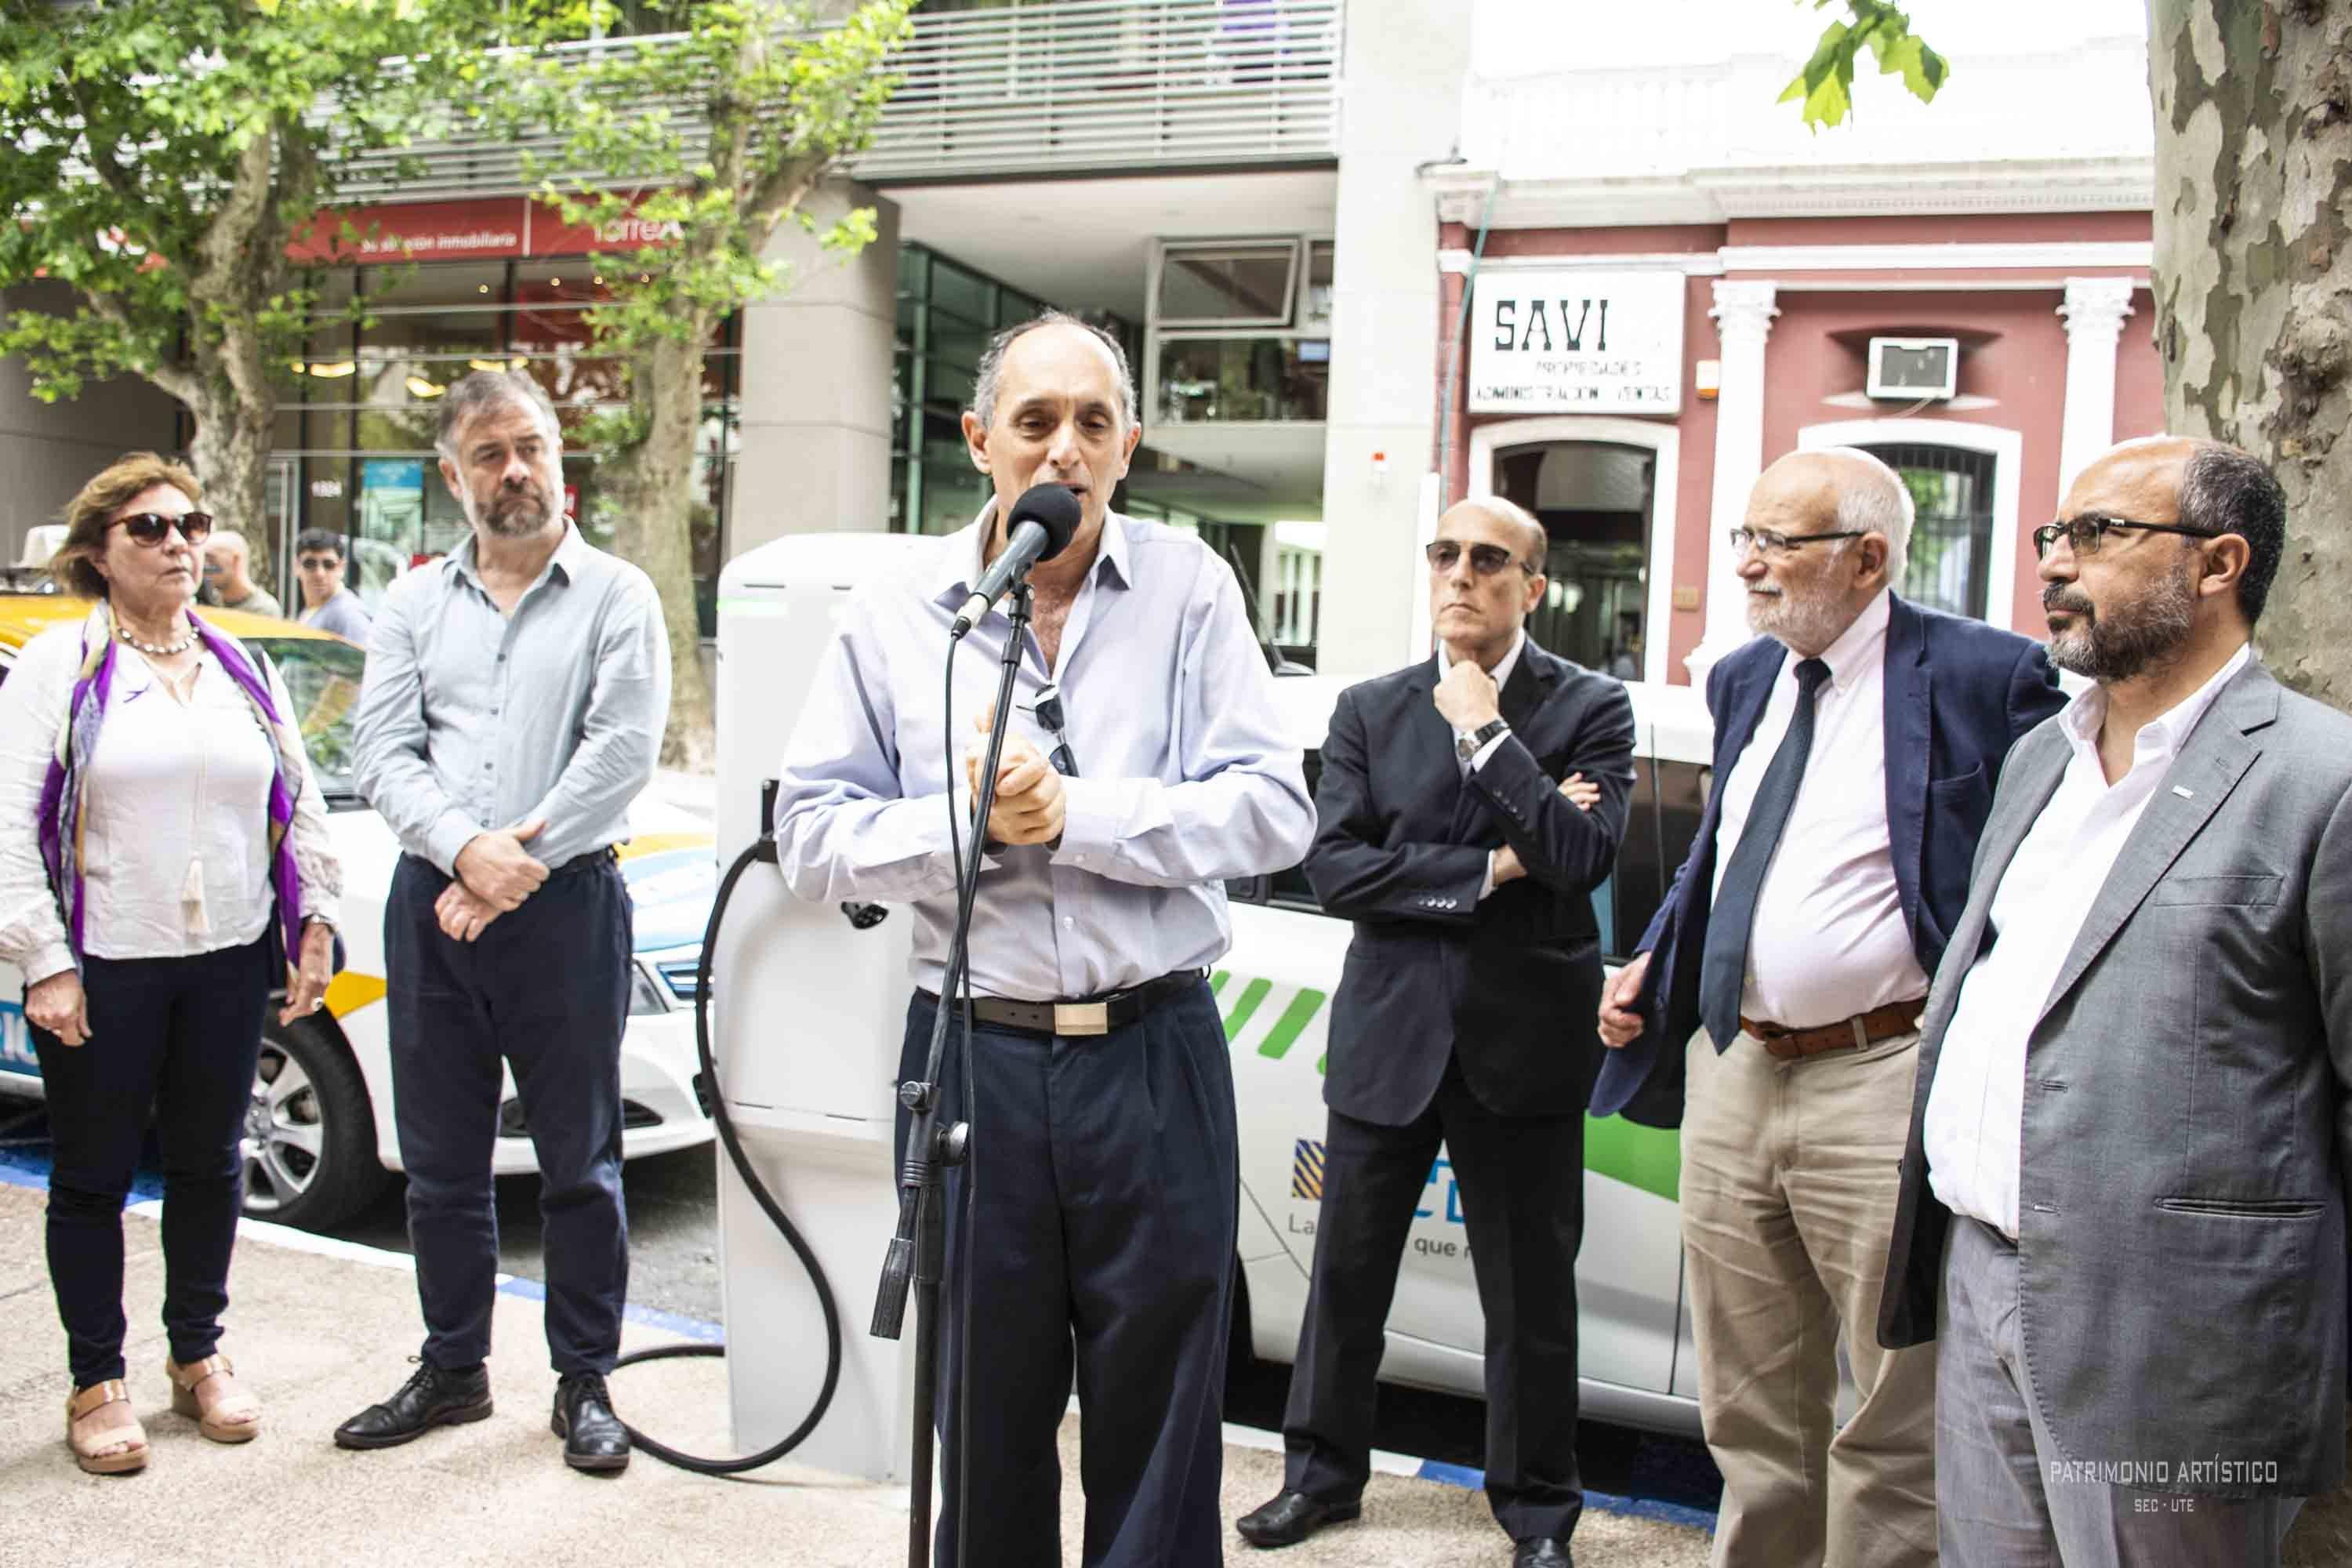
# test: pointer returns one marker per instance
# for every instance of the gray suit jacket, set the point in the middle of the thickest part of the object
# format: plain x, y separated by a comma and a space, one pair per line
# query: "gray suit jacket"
2188, 1120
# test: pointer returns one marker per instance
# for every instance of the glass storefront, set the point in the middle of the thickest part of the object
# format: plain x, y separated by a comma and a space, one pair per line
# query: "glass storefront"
356, 424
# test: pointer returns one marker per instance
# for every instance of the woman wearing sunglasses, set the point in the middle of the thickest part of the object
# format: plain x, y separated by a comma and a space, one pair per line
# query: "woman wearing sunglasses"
162, 848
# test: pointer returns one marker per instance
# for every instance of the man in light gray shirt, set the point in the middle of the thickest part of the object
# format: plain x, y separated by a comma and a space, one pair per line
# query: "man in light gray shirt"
514, 698
327, 602
1103, 1240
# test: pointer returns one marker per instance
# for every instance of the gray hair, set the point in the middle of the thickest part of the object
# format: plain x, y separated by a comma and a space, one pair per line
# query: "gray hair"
1881, 503
481, 389
991, 364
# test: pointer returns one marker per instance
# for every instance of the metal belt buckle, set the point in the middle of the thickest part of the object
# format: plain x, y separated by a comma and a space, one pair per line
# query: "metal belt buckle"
1082, 1017
1860, 1034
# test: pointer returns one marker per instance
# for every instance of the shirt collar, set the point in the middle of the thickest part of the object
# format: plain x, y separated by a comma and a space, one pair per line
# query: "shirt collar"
1503, 667
1860, 646
2160, 736
563, 565
960, 564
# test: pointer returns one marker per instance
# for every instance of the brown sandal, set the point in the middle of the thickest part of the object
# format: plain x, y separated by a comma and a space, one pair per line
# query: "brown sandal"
234, 1416
110, 1450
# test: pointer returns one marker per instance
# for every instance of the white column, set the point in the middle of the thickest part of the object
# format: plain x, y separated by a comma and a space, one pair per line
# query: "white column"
1743, 318
2093, 313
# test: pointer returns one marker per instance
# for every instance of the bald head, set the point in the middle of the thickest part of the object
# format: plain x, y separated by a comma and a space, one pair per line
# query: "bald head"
1532, 542
2190, 482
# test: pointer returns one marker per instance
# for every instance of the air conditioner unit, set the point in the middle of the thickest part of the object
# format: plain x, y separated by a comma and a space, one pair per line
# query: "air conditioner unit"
1914, 369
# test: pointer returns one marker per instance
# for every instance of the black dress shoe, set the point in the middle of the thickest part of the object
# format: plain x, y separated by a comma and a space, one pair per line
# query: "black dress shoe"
430, 1398
593, 1438
1291, 1518
1543, 1551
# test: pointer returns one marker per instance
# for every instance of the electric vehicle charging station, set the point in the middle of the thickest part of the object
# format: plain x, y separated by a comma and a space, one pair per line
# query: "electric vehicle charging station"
807, 1013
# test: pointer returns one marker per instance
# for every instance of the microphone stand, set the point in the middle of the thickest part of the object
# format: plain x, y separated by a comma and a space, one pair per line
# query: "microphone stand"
917, 1253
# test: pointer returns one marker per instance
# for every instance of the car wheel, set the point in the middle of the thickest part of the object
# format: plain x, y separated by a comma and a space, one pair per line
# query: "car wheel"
309, 1136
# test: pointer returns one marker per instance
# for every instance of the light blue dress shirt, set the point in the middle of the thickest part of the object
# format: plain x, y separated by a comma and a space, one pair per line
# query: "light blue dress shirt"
1188, 777
470, 719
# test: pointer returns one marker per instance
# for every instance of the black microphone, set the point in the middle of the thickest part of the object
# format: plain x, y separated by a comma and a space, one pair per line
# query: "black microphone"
1045, 521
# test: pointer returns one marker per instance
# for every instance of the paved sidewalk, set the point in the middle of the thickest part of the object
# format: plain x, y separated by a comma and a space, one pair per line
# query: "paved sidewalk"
321, 1329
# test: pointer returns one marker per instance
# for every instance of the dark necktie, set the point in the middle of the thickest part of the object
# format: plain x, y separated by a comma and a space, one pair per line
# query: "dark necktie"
1722, 969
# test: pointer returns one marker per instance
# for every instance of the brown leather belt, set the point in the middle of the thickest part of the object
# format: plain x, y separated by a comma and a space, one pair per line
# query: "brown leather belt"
1852, 1034
1093, 1015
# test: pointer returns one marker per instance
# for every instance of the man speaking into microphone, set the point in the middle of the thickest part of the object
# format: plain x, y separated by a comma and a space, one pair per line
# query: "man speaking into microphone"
1103, 1156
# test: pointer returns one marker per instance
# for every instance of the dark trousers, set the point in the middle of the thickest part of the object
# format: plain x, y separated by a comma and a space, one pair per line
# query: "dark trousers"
546, 989
1106, 1181
180, 1034
1522, 1184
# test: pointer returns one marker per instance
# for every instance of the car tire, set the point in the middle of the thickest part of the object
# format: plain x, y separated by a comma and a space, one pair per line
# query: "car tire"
309, 1133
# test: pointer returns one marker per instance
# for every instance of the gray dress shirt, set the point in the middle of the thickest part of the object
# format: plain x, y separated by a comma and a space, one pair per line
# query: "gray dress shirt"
344, 615
1188, 776
470, 719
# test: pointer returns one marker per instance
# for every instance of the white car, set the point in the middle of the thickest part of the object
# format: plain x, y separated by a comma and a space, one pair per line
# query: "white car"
320, 1139
1274, 986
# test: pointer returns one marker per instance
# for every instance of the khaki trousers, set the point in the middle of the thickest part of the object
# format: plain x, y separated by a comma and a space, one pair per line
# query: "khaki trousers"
1789, 1186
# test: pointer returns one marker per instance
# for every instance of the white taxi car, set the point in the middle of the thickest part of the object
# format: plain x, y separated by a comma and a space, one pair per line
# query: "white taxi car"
320, 1141
1275, 988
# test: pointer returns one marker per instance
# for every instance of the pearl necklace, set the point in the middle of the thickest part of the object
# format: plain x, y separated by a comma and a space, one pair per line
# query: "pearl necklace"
164, 650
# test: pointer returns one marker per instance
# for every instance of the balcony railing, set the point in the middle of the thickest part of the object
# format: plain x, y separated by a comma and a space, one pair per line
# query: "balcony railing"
1113, 84
1074, 86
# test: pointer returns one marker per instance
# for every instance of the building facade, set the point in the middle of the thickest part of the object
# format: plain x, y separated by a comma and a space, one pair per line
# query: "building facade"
1368, 257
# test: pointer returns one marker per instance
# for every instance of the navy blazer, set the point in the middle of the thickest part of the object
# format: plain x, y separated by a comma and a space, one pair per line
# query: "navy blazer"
1959, 694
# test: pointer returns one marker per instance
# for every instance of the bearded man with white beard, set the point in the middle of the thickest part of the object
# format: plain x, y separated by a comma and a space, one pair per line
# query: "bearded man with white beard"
1773, 1009
514, 703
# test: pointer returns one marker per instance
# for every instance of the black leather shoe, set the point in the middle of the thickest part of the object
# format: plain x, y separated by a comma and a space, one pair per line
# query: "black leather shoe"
1544, 1552
430, 1398
593, 1438
1291, 1518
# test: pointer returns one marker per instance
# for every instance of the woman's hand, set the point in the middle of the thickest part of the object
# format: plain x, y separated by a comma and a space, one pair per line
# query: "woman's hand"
59, 1006
308, 990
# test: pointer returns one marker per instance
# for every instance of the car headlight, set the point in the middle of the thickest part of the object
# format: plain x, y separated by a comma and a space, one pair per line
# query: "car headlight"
646, 994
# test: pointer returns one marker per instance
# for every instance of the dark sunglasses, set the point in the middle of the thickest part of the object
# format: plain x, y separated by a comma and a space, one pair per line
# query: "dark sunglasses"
1485, 559
148, 528
319, 563
1047, 711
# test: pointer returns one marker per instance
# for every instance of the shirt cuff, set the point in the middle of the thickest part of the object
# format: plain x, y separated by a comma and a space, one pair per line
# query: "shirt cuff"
448, 835
324, 908
1488, 887
48, 961
1092, 811
1479, 758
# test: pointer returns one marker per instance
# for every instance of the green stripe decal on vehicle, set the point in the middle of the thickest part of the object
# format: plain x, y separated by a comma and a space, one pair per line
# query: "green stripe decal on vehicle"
1293, 1022
1243, 1006
1647, 1158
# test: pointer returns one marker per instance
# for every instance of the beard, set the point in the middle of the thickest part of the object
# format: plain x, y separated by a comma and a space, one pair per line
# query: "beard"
515, 513
2130, 639
1798, 620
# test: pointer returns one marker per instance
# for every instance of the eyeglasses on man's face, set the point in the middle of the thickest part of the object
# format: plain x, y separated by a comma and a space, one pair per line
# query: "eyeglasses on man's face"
1485, 559
2083, 535
319, 563
1778, 546
150, 528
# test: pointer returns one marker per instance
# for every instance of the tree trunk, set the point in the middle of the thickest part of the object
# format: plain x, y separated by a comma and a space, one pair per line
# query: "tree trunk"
2253, 279
648, 486
230, 453
2254, 319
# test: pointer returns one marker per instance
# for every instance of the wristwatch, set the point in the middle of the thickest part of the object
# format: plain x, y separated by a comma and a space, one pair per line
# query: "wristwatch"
1468, 746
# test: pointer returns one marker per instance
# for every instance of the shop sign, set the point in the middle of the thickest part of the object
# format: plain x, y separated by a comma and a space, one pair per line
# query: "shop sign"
1574, 341
478, 229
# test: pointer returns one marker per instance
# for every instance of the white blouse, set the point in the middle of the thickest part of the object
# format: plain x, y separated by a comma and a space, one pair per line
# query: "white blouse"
175, 842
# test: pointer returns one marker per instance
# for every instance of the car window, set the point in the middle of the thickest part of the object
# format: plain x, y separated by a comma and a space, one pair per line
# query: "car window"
323, 677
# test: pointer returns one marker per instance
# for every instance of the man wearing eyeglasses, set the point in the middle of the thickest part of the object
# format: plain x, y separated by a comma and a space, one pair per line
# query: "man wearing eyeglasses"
1773, 1009
1469, 805
2122, 1207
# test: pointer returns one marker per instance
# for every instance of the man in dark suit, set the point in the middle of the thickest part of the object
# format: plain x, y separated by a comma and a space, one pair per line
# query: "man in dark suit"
1773, 1010
2122, 1217
1468, 806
